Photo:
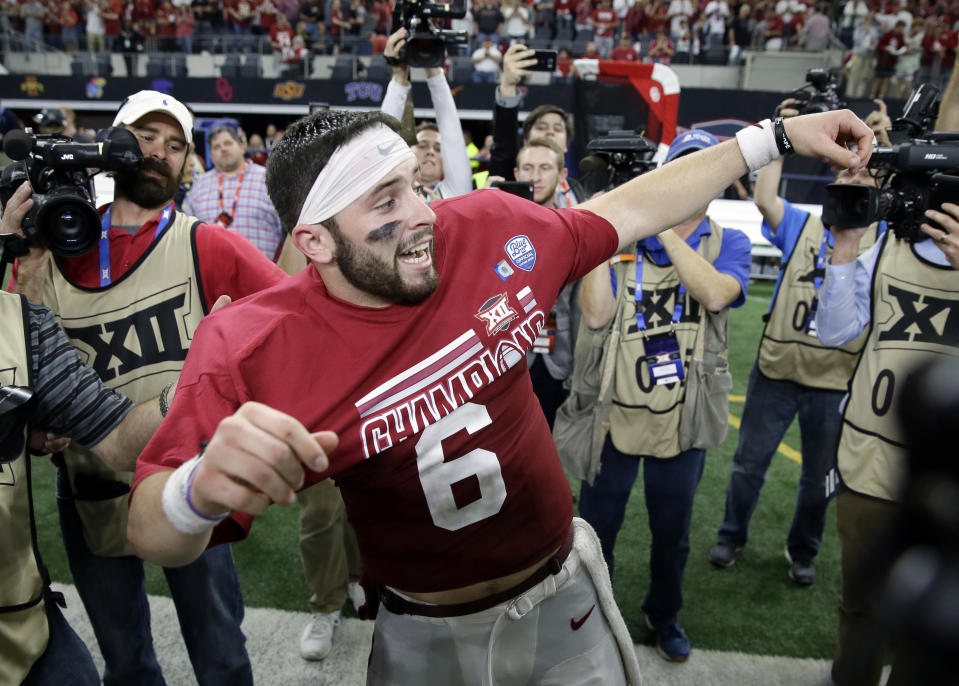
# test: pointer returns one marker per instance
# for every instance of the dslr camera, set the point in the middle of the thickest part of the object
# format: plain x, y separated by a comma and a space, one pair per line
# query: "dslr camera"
615, 158
64, 217
425, 42
920, 171
823, 92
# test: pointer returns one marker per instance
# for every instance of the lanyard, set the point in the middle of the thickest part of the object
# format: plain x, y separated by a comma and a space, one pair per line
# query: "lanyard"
105, 274
236, 196
677, 309
821, 260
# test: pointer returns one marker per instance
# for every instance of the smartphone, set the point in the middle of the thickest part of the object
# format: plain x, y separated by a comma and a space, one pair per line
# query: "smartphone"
523, 189
545, 61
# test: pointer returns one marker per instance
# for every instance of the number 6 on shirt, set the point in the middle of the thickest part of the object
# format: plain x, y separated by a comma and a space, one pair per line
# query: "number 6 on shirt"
438, 476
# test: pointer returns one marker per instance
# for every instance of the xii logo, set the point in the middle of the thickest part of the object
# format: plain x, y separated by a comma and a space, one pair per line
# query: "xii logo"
147, 336
929, 316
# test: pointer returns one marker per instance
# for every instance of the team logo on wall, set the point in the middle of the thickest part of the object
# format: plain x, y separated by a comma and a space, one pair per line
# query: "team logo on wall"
31, 86
521, 252
289, 90
496, 314
94, 87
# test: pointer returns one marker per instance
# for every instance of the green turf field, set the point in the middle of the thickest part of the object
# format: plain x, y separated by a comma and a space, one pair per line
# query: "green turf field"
751, 607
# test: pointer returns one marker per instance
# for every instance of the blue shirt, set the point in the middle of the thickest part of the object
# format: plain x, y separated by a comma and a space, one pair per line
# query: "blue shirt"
735, 254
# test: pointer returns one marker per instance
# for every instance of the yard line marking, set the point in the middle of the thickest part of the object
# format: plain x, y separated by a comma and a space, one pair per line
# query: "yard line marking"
788, 452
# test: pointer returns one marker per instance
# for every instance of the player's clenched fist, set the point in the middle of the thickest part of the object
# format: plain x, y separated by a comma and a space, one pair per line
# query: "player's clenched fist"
256, 457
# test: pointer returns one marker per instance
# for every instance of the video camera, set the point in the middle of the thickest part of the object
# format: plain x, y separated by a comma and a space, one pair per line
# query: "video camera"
425, 43
914, 175
823, 92
64, 217
616, 158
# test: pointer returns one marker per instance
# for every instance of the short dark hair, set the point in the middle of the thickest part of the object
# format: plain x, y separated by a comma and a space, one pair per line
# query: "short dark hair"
427, 126
305, 149
547, 143
536, 114
217, 130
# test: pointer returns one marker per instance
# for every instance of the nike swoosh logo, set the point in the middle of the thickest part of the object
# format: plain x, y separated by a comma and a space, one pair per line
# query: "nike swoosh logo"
575, 624
387, 149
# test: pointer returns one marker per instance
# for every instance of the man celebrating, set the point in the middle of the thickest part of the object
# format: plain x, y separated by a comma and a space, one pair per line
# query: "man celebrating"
233, 194
131, 307
446, 465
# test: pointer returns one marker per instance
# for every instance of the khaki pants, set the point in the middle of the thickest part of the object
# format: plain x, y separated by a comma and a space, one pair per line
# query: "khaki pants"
862, 644
328, 547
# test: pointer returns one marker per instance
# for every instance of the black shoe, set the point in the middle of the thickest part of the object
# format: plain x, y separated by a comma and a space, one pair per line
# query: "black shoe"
723, 554
802, 572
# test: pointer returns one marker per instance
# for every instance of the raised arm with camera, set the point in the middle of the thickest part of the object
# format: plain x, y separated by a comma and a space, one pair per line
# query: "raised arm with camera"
516, 62
448, 173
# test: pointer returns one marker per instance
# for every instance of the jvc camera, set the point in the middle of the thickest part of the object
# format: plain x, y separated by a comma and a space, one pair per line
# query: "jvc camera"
914, 175
425, 42
823, 92
616, 158
63, 217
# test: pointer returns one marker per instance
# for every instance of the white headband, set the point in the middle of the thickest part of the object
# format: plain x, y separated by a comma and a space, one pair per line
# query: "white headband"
353, 169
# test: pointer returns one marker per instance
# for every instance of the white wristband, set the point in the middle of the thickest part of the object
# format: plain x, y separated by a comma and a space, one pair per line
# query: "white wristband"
177, 505
757, 143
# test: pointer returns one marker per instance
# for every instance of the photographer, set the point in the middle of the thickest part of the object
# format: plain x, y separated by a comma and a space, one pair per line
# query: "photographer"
897, 291
672, 298
68, 399
131, 305
441, 150
794, 373
546, 121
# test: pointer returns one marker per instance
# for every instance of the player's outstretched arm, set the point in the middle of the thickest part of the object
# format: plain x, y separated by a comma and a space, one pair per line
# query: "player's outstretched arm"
668, 196
257, 456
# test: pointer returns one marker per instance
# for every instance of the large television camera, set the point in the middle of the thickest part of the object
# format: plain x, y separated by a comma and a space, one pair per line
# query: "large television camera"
823, 92
914, 175
63, 217
614, 159
426, 43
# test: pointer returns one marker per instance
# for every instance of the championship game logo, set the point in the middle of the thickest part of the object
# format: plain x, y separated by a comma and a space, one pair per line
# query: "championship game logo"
916, 318
521, 252
496, 314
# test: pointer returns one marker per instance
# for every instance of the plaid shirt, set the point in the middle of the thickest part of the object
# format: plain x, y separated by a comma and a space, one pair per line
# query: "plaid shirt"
254, 217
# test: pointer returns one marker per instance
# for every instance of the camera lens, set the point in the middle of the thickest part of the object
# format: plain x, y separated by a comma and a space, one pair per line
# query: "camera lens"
67, 223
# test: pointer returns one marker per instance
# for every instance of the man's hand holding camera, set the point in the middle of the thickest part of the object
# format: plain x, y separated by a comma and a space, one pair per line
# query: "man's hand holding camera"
947, 240
31, 267
401, 70
516, 63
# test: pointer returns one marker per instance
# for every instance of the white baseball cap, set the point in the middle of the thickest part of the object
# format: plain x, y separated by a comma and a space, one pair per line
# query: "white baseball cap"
143, 102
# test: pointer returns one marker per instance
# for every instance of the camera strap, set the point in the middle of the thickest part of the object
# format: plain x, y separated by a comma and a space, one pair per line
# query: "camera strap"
638, 294
236, 195
166, 218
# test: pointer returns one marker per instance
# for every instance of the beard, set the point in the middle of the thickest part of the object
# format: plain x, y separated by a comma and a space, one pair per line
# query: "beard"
147, 191
369, 272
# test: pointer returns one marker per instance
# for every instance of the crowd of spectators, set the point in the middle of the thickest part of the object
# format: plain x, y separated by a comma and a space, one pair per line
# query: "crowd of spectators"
897, 37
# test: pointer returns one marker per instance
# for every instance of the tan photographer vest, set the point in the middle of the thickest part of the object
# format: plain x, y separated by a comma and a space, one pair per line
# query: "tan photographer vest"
915, 307
786, 351
135, 334
645, 417
23, 621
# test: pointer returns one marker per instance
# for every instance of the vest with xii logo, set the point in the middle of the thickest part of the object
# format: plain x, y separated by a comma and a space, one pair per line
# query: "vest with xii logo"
786, 351
645, 416
23, 622
135, 334
915, 316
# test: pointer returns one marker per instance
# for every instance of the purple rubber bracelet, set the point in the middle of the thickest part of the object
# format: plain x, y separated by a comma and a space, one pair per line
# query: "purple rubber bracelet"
189, 487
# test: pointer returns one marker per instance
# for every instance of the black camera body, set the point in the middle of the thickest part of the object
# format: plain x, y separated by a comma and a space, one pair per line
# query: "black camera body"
823, 92
425, 43
620, 155
914, 176
64, 217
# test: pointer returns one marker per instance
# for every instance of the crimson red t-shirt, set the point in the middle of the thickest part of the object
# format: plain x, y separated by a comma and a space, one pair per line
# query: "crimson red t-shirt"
446, 464
605, 19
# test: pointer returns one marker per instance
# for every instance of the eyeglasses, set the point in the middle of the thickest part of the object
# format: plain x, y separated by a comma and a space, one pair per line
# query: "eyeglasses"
14, 405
